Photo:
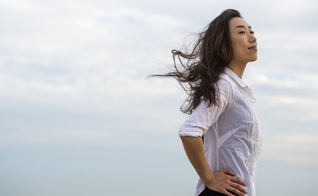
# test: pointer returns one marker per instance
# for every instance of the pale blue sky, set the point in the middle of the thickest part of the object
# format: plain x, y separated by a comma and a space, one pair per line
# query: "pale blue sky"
78, 117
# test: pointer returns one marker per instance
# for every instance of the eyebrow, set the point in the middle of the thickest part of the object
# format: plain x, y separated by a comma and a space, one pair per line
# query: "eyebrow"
242, 26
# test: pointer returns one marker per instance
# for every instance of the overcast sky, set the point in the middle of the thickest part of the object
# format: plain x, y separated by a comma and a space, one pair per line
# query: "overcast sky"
78, 117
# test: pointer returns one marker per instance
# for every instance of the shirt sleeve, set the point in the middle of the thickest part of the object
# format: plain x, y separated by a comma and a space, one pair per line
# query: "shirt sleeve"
204, 116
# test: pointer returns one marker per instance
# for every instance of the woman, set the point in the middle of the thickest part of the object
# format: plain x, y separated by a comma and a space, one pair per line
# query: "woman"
221, 109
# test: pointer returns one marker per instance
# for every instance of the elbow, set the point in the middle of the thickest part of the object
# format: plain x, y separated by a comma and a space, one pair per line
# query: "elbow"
188, 138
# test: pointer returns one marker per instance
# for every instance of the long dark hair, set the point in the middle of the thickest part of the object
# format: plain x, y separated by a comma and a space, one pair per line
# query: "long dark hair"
202, 67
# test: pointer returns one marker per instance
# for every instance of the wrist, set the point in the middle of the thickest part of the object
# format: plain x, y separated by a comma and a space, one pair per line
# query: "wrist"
208, 178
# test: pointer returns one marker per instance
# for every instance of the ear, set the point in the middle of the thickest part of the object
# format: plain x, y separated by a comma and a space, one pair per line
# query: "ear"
225, 51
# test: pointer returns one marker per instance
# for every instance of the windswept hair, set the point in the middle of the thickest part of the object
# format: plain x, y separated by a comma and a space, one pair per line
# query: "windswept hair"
199, 70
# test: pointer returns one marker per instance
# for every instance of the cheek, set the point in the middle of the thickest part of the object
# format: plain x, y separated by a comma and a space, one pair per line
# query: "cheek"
238, 45
236, 49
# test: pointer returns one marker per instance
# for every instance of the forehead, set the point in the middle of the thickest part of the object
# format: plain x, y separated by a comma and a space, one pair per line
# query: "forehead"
238, 22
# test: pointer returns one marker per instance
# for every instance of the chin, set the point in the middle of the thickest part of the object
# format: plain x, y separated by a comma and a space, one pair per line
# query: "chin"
253, 59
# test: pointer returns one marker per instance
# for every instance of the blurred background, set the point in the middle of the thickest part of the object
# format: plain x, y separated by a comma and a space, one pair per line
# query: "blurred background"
78, 116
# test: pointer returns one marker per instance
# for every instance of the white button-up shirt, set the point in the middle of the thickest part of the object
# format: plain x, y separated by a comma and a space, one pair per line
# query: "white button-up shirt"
232, 137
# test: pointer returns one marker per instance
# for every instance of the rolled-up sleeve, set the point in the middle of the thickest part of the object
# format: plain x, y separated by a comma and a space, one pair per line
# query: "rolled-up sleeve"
204, 116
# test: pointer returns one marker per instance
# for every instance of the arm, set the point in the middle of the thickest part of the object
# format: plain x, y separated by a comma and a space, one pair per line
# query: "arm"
221, 181
194, 149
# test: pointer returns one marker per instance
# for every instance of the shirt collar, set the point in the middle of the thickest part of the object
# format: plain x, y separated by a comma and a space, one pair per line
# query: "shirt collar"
238, 80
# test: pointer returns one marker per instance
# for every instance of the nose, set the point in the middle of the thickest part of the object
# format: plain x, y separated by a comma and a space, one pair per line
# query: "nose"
253, 38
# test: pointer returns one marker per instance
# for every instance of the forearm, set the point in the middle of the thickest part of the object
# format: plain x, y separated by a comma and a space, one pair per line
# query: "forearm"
194, 149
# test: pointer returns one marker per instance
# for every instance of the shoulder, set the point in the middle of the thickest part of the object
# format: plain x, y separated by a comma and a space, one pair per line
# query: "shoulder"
226, 87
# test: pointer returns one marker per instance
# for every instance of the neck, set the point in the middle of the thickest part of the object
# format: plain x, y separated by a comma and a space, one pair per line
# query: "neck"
237, 68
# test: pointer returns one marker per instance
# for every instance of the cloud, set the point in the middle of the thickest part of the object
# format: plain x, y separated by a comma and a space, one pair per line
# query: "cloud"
296, 148
59, 136
73, 72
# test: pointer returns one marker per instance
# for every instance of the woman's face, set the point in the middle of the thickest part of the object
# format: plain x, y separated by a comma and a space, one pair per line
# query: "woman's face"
244, 42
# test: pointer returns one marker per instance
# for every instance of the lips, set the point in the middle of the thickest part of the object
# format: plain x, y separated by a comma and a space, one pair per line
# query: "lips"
253, 48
